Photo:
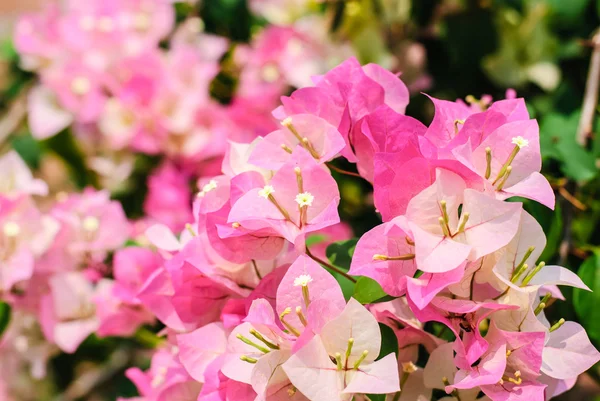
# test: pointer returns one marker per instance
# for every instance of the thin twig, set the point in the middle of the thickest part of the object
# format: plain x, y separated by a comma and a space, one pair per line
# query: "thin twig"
572, 199
568, 211
330, 266
88, 381
11, 120
590, 98
345, 172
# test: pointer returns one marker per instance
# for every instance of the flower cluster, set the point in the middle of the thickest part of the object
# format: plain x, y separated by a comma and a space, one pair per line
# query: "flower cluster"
53, 264
253, 313
237, 272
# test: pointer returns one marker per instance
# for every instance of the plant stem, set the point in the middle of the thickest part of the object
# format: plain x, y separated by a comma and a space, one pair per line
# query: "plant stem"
330, 266
590, 98
342, 171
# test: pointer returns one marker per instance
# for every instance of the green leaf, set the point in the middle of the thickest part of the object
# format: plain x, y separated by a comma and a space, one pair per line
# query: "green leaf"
368, 291
567, 12
28, 148
68, 148
557, 141
389, 341
340, 253
376, 397
585, 302
314, 239
7, 50
5, 314
578, 163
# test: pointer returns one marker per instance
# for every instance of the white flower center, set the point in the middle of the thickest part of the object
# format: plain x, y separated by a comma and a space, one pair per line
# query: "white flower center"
212, 184
266, 191
80, 85
302, 280
270, 73
141, 22
520, 142
286, 121
305, 199
11, 229
91, 224
159, 378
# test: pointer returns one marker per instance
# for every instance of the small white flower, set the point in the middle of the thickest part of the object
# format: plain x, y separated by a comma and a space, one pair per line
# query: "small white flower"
270, 73
80, 85
91, 224
141, 22
11, 229
266, 191
302, 280
520, 142
305, 199
159, 377
212, 184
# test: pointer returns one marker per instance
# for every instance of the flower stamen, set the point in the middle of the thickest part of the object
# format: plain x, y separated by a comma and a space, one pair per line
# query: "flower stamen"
488, 162
264, 340
408, 256
248, 359
532, 274
252, 344
361, 359
288, 326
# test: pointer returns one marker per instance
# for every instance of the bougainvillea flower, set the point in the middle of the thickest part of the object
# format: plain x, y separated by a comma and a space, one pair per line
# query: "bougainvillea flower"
463, 317
440, 372
257, 338
509, 159
382, 131
443, 239
447, 120
118, 318
17, 178
509, 369
321, 139
301, 198
568, 352
45, 117
166, 379
25, 235
387, 255
199, 348
340, 361
68, 313
308, 296
169, 198
409, 331
91, 225
347, 93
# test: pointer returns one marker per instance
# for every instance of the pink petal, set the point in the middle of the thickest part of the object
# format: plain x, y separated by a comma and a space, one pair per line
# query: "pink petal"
380, 377
492, 224
354, 322
322, 287
200, 347
568, 352
312, 372
535, 186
